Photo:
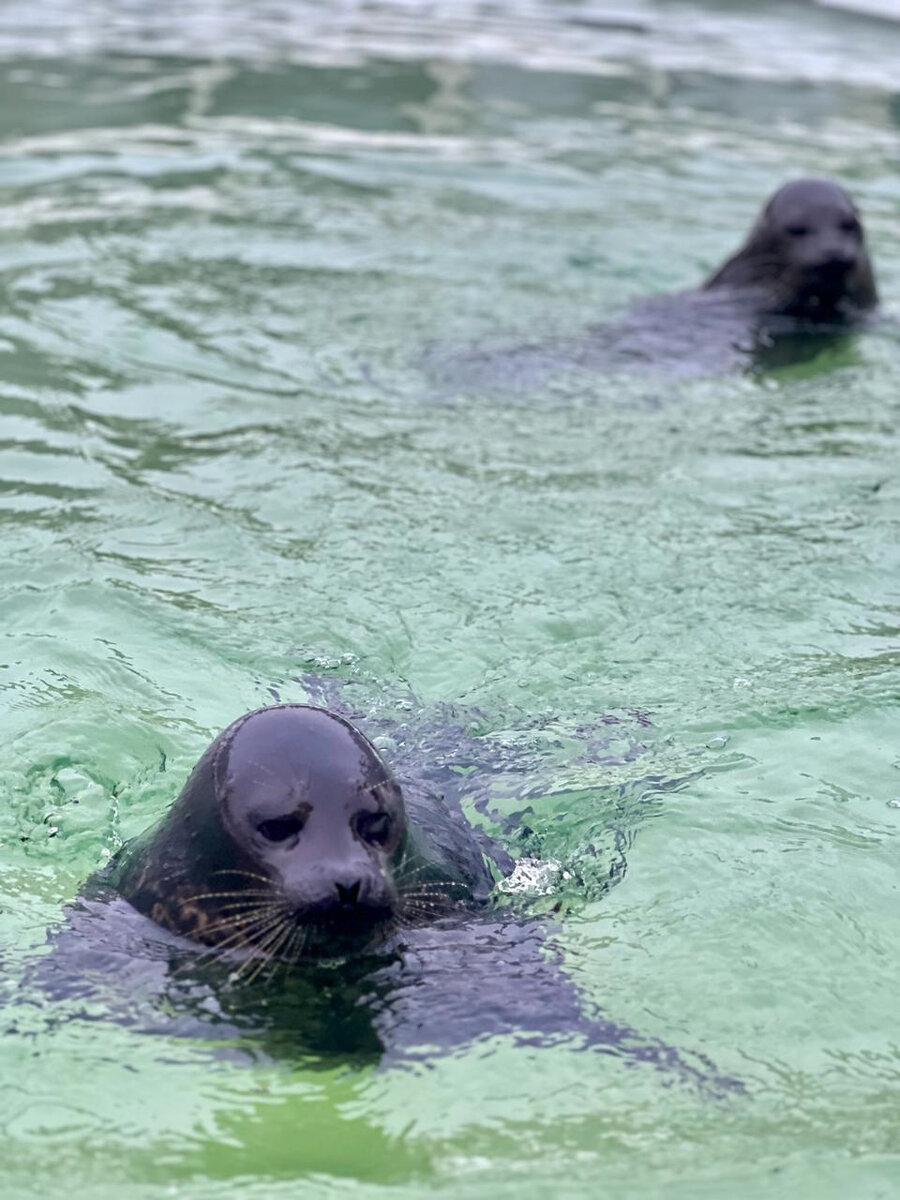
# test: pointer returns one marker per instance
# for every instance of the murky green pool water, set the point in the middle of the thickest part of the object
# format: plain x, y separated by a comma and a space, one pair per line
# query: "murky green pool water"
226, 239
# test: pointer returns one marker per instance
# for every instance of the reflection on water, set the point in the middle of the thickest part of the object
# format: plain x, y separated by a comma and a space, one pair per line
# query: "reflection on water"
230, 235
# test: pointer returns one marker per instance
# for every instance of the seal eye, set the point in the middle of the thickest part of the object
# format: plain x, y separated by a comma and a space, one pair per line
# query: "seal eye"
374, 827
797, 231
849, 225
279, 829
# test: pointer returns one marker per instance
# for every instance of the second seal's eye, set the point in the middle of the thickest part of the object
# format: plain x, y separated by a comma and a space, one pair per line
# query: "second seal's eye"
279, 829
374, 827
797, 231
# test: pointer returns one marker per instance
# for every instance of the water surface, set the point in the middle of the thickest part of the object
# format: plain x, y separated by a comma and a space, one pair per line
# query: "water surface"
227, 238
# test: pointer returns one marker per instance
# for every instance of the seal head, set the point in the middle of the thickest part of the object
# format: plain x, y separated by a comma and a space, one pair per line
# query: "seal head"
806, 255
289, 837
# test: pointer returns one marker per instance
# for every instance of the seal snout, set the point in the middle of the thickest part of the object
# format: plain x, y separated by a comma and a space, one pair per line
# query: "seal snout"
834, 260
348, 894
354, 895
340, 893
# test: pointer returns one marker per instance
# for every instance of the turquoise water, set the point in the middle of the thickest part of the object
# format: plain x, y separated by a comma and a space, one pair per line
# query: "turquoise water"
227, 240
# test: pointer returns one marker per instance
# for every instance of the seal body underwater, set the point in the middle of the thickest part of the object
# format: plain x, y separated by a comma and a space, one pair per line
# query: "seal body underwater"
292, 839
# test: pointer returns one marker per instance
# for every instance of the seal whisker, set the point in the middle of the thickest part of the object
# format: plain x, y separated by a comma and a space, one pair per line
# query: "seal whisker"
264, 960
242, 907
239, 922
431, 892
436, 885
262, 949
259, 902
301, 943
242, 914
236, 940
418, 912
259, 930
295, 946
276, 952
420, 906
246, 874
285, 952
405, 872
432, 901
430, 897
240, 918
245, 894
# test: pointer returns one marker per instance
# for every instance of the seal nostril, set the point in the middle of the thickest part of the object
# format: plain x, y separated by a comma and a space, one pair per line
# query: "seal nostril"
348, 894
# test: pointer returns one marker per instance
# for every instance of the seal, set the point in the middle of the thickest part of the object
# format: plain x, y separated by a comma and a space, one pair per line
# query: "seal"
805, 257
290, 839
801, 281
292, 843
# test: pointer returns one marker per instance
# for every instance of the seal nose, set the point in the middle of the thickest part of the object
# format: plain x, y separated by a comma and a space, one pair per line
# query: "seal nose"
838, 256
348, 893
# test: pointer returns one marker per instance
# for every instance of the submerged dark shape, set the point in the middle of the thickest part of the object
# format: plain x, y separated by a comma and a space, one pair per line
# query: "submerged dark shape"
291, 839
805, 257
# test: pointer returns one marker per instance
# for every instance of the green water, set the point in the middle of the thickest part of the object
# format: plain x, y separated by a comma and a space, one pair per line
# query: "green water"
226, 240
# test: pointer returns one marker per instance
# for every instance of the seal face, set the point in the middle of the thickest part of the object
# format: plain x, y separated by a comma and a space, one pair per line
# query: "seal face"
806, 255
290, 838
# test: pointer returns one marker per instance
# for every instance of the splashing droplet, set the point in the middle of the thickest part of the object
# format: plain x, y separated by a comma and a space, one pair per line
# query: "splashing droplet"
536, 876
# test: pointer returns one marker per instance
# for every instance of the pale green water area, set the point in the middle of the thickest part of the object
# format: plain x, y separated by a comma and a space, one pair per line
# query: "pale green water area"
229, 234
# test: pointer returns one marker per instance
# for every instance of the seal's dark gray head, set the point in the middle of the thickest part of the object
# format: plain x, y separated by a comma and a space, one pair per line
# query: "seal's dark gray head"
806, 254
289, 838
305, 795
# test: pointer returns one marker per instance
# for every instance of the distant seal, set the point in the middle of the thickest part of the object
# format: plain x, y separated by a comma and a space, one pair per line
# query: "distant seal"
805, 257
801, 281
291, 838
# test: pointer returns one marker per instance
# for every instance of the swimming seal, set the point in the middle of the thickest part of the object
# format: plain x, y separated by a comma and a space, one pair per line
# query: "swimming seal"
292, 845
801, 281
291, 838
805, 256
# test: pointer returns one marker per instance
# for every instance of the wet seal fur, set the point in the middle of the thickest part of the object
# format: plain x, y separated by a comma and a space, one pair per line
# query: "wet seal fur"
291, 839
805, 257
